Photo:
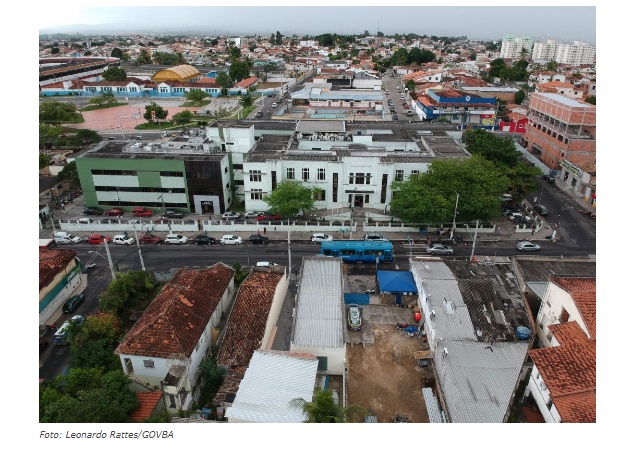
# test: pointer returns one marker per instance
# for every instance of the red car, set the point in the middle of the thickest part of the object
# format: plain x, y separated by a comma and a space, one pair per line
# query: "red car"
98, 239
115, 211
268, 217
142, 212
151, 239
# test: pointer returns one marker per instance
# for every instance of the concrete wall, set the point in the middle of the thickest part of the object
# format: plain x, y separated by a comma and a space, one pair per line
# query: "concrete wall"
276, 307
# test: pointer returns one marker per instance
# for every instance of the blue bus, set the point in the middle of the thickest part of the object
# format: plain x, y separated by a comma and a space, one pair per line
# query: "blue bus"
358, 250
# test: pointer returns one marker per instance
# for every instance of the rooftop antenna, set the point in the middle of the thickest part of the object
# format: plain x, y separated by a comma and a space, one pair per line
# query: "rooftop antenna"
177, 363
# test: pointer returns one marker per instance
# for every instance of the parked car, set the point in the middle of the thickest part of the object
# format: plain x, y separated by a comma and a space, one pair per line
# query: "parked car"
204, 239
142, 212
123, 239
524, 246
172, 214
231, 239
506, 197
354, 317
115, 211
253, 214
439, 249
549, 178
374, 237
523, 219
259, 114
258, 239
541, 209
72, 304
97, 239
66, 238
92, 211
150, 238
513, 215
268, 217
84, 220
174, 238
274, 105
320, 237
266, 264
230, 215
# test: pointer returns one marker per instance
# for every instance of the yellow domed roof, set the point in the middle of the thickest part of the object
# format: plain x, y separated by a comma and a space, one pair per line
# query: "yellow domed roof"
181, 73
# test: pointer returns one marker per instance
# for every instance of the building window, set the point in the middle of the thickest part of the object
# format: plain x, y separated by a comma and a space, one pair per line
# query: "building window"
256, 193
565, 316
414, 172
335, 186
149, 363
305, 174
399, 175
290, 173
322, 174
255, 176
320, 195
237, 166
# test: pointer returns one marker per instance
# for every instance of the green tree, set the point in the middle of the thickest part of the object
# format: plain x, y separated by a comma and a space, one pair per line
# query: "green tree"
56, 113
144, 57
83, 137
278, 38
324, 409
117, 53
410, 85
69, 173
92, 346
153, 112
55, 50
590, 100
114, 74
195, 96
44, 160
235, 53
519, 96
246, 100
182, 117
290, 197
238, 71
214, 42
224, 81
551, 66
430, 197
49, 135
400, 57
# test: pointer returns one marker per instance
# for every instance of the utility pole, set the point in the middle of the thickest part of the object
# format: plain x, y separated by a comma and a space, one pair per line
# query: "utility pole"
289, 256
453, 225
109, 259
474, 239
137, 241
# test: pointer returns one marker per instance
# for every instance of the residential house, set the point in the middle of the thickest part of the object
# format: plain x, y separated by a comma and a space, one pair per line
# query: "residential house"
472, 314
319, 317
272, 380
515, 123
561, 88
60, 275
166, 345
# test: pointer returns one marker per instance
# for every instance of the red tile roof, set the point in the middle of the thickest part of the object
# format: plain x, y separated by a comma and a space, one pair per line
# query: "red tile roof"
177, 317
230, 384
148, 404
247, 321
246, 83
583, 293
52, 262
569, 371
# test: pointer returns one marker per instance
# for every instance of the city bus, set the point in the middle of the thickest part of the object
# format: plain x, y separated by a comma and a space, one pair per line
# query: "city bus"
358, 250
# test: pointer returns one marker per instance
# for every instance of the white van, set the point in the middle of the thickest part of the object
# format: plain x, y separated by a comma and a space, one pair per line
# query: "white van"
66, 238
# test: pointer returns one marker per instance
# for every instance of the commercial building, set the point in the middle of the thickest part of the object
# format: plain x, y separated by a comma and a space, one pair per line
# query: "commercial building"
561, 128
464, 109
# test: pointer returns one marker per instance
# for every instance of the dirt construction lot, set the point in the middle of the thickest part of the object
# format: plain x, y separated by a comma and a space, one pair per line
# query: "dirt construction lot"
384, 376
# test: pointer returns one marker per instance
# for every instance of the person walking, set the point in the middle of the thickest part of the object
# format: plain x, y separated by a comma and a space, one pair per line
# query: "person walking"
265, 230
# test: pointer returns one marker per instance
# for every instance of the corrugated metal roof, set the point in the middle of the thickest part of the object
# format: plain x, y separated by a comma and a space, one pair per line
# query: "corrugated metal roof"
431, 269
319, 314
321, 126
478, 379
452, 319
539, 288
271, 381
434, 411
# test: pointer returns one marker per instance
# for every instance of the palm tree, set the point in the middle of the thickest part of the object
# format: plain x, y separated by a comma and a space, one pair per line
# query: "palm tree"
324, 409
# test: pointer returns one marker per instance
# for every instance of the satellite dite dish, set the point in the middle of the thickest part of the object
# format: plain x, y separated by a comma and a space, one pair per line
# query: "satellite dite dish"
177, 363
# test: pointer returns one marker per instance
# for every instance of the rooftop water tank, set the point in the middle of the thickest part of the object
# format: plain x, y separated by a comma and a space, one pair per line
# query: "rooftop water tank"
523, 332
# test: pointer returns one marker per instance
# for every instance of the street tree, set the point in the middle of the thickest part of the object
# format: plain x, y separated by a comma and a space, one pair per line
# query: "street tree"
182, 117
114, 74
290, 197
431, 197
519, 96
153, 112
224, 81
195, 96
246, 100
57, 112
69, 173
116, 53
324, 409
92, 346
235, 53
144, 57
239, 70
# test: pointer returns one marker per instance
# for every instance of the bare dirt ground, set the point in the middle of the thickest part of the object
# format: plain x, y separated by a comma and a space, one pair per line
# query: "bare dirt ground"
385, 378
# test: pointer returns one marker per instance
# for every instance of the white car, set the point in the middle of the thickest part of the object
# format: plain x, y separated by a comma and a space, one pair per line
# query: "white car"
231, 239
320, 237
374, 237
230, 215
66, 238
524, 246
253, 214
266, 264
175, 239
123, 239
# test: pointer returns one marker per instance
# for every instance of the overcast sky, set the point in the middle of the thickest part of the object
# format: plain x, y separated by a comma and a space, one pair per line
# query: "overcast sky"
565, 23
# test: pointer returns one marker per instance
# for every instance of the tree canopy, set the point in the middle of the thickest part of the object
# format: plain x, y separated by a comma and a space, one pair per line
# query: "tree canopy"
182, 117
69, 172
290, 197
224, 81
159, 112
324, 409
195, 95
93, 344
431, 197
114, 74
239, 70
57, 112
